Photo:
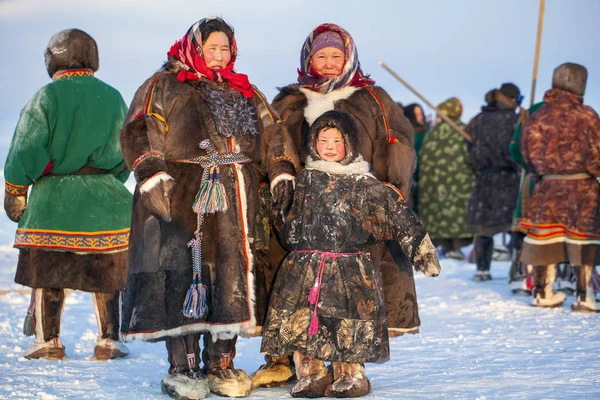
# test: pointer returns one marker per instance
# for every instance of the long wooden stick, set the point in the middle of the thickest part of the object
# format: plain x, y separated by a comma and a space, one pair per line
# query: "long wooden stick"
439, 113
537, 51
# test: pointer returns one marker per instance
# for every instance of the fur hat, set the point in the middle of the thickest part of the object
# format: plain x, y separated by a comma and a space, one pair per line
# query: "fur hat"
71, 48
510, 90
327, 39
570, 77
346, 125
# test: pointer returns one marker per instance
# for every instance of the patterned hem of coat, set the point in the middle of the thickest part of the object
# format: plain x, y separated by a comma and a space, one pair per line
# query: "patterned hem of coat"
560, 249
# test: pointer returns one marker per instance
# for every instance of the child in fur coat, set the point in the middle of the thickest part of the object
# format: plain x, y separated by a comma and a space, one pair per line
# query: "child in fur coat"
327, 302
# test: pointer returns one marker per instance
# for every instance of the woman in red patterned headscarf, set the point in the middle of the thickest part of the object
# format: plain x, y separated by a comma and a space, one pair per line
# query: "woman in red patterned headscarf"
200, 140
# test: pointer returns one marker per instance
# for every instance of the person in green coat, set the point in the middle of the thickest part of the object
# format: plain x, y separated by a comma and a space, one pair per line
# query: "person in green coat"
518, 271
446, 179
73, 230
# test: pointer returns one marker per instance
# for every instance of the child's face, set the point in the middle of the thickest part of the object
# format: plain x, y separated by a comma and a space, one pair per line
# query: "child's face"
330, 145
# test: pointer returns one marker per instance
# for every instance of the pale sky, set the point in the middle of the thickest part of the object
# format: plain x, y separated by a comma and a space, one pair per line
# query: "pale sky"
458, 48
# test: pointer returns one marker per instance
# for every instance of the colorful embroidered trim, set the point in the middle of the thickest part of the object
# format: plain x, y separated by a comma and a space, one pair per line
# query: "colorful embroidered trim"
391, 139
271, 113
15, 190
69, 73
145, 156
146, 112
395, 190
73, 241
550, 231
280, 158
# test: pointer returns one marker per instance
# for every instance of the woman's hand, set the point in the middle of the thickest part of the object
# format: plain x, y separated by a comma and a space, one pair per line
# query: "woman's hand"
156, 195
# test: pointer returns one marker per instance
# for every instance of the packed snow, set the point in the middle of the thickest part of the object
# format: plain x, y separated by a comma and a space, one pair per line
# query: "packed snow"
477, 341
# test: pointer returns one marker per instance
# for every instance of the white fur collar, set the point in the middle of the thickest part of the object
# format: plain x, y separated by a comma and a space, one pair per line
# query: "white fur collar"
319, 103
358, 167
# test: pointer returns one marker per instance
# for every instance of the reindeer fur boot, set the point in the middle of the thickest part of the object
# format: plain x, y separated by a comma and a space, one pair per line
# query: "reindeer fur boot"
543, 296
350, 381
277, 371
313, 377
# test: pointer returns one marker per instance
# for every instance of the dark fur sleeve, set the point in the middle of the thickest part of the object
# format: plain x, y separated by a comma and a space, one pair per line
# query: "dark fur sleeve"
290, 104
142, 137
279, 155
387, 219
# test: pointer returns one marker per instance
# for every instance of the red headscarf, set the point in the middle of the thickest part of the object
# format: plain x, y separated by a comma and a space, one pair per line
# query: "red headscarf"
188, 51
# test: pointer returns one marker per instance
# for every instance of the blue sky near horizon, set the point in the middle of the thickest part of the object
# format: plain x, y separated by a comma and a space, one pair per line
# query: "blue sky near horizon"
461, 48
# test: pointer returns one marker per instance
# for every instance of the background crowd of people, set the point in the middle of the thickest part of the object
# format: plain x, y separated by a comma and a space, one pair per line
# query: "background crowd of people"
524, 173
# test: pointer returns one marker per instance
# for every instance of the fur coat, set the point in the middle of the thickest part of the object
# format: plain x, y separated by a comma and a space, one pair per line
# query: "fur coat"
160, 261
494, 196
560, 148
391, 163
339, 211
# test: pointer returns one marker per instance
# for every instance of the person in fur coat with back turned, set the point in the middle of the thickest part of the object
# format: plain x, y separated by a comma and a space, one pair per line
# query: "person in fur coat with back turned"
74, 228
327, 301
560, 146
329, 78
200, 139
494, 196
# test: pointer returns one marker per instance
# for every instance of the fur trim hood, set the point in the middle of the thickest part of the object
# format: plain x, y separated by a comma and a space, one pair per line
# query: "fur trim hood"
346, 124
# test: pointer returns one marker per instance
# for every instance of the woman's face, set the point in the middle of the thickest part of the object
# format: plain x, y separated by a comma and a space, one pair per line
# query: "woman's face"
328, 62
330, 145
216, 50
419, 115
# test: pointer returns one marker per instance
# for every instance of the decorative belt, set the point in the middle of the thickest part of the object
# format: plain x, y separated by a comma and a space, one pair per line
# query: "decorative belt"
211, 198
566, 177
315, 290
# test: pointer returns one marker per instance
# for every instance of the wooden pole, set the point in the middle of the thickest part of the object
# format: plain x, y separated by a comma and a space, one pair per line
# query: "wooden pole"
439, 113
537, 51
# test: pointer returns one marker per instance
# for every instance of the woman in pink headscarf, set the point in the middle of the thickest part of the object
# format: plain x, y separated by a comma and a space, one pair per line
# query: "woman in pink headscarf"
330, 78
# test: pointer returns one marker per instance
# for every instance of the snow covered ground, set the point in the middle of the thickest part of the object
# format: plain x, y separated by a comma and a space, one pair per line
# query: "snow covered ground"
477, 341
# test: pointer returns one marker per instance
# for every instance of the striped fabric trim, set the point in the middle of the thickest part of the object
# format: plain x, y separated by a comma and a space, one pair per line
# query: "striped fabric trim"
395, 190
550, 231
102, 241
391, 139
271, 113
280, 158
15, 190
69, 73
145, 156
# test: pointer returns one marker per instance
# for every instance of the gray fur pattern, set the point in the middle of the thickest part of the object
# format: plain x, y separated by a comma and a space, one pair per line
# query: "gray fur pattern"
234, 115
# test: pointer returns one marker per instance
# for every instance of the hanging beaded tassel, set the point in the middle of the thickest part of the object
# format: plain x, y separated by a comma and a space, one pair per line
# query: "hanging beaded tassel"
194, 305
211, 198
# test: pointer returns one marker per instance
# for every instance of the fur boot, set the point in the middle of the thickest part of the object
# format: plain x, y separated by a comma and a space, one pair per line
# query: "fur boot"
586, 298
350, 381
46, 308
53, 349
484, 248
543, 296
223, 378
185, 385
313, 377
108, 346
275, 372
